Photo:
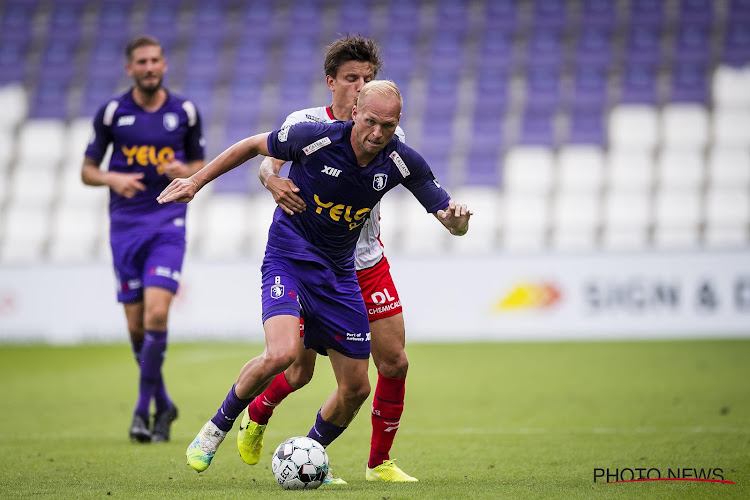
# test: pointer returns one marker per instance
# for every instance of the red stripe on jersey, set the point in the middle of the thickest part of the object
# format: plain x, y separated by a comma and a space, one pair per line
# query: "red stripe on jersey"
330, 113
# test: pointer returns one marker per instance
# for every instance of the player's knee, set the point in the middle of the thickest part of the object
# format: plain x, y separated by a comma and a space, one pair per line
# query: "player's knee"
298, 375
156, 317
356, 394
278, 360
395, 366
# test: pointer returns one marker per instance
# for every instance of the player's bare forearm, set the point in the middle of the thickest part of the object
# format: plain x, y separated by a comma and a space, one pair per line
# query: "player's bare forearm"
455, 217
283, 189
124, 184
184, 190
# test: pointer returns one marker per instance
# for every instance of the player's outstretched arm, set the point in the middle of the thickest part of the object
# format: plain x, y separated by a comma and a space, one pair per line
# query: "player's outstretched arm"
184, 190
455, 217
176, 169
284, 191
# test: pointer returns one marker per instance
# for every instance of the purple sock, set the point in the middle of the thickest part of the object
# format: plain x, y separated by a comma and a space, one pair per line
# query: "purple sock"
137, 346
152, 357
324, 432
229, 410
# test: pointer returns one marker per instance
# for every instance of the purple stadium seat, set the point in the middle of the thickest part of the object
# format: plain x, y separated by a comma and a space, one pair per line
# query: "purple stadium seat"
16, 20
550, 14
696, 11
104, 58
587, 127
542, 88
50, 99
399, 53
244, 97
594, 45
647, 12
497, 49
482, 168
58, 60
737, 43
210, 21
639, 84
354, 17
485, 146
643, 44
598, 13
294, 95
402, 18
301, 57
96, 92
436, 150
452, 17
538, 128
447, 53
689, 83
201, 92
204, 59
442, 93
545, 47
502, 16
492, 88
692, 43
305, 19
65, 21
590, 88
13, 60
250, 61
739, 11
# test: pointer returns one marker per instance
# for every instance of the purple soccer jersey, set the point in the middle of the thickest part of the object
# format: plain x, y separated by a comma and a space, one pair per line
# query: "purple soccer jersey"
338, 192
309, 262
147, 239
141, 142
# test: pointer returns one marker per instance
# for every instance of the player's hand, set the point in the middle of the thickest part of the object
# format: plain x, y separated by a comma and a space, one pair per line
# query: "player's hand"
175, 169
179, 190
284, 193
126, 185
455, 217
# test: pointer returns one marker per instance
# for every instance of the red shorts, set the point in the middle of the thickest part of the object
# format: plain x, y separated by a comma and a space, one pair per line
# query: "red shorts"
378, 291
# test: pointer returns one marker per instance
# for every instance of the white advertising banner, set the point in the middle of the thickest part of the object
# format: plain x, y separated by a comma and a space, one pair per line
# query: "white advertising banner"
500, 297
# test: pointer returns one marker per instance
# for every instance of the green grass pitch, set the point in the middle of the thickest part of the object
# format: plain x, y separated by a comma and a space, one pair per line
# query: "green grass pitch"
485, 420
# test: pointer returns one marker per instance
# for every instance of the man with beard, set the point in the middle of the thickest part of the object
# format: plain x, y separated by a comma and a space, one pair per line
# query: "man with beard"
156, 137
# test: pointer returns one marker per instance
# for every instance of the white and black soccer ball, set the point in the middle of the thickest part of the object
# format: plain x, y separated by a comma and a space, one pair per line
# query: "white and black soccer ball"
300, 463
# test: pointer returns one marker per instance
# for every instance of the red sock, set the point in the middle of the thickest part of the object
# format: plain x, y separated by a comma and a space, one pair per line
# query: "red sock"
387, 407
262, 406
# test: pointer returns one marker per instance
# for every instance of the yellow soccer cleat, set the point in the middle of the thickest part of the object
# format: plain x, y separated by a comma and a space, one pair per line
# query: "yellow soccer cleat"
250, 439
388, 472
333, 480
203, 448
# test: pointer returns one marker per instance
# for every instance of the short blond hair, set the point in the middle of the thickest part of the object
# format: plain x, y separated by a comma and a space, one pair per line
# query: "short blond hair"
383, 88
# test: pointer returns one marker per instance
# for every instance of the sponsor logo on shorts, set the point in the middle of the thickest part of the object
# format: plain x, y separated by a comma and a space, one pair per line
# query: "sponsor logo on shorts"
131, 285
320, 143
125, 121
385, 308
162, 271
357, 337
379, 181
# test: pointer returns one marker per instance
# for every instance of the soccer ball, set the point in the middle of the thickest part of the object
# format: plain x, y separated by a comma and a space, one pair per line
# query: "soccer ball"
300, 463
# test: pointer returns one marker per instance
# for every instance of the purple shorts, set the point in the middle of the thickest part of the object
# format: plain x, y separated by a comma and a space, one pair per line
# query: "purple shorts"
331, 305
147, 259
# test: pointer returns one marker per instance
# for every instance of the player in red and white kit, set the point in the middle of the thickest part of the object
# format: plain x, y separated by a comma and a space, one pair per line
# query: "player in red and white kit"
350, 63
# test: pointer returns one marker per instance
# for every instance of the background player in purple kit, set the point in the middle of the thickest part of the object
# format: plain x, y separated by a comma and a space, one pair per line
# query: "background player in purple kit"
156, 136
342, 169
350, 63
